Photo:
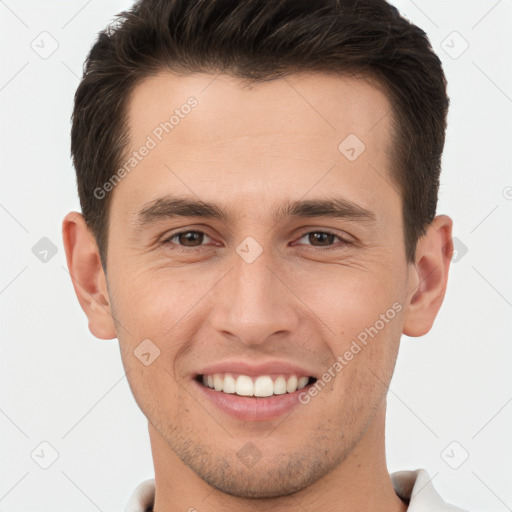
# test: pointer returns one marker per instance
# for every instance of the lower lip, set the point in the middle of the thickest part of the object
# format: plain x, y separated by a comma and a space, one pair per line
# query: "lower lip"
253, 408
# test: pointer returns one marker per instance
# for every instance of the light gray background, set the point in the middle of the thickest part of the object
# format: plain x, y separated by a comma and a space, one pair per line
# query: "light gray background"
62, 386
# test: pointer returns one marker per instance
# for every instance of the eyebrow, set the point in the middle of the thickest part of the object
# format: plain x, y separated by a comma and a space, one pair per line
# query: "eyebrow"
170, 206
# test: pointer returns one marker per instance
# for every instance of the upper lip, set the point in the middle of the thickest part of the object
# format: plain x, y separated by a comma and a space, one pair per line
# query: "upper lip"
252, 370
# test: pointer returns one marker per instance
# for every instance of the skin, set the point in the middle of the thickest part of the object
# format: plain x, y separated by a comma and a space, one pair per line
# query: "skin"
250, 149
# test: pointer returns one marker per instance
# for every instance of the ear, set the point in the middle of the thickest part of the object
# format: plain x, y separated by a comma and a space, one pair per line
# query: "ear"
429, 276
87, 275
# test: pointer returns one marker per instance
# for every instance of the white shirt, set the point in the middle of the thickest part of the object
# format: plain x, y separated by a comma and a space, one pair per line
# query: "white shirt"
414, 487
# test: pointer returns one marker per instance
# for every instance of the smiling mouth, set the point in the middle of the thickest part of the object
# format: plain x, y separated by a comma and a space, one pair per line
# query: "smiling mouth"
257, 387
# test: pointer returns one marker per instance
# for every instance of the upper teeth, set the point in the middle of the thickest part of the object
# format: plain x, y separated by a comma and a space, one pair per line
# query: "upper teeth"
263, 385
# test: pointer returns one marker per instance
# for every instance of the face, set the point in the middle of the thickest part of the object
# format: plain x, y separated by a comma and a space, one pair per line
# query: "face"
294, 266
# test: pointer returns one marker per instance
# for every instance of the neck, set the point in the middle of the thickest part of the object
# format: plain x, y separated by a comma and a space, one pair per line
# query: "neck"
361, 482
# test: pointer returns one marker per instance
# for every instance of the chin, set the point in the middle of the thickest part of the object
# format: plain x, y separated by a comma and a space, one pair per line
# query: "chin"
264, 479
252, 486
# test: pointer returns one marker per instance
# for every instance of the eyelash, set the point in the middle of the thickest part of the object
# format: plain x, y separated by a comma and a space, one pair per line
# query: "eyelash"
181, 248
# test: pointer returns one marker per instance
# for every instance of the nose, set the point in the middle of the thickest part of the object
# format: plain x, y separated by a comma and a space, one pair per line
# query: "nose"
254, 302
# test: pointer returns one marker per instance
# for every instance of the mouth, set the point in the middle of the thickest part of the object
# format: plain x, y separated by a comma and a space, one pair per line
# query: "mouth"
250, 391
253, 397
255, 386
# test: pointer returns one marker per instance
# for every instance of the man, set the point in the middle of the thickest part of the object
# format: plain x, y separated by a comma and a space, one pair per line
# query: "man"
258, 183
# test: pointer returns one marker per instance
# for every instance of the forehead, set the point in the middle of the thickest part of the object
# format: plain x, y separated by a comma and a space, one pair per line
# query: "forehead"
276, 138
301, 103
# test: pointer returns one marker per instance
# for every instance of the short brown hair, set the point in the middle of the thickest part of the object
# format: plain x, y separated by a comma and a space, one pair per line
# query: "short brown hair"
260, 40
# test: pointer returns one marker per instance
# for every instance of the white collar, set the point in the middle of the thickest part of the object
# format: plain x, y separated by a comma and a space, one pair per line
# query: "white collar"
413, 487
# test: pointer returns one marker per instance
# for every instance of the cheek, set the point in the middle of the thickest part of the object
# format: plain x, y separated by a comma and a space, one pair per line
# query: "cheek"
349, 297
155, 390
360, 314
154, 304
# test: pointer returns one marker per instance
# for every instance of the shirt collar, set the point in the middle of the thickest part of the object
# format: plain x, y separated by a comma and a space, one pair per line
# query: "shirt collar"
416, 489
413, 487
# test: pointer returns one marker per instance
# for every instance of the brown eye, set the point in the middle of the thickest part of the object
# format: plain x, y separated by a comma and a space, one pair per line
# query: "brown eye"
323, 239
187, 239
190, 238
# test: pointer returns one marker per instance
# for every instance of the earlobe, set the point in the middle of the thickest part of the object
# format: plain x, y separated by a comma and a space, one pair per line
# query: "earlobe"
430, 276
87, 275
